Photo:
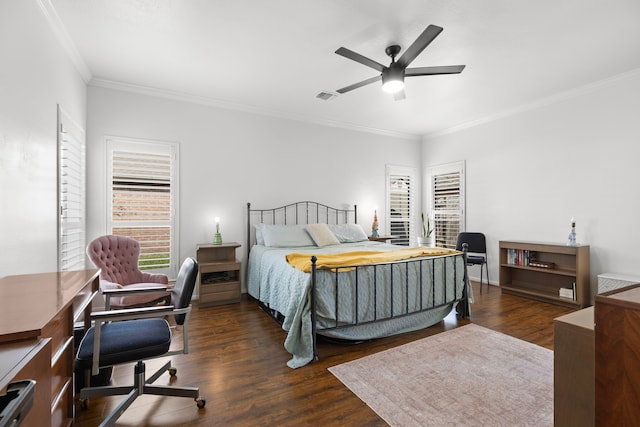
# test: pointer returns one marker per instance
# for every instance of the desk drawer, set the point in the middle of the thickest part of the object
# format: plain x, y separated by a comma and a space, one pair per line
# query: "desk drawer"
62, 409
59, 329
61, 368
37, 368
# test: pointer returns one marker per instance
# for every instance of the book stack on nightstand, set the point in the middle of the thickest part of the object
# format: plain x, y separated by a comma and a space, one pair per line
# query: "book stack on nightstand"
219, 274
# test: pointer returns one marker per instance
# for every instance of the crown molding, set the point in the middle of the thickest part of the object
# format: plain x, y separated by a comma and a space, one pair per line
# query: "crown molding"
217, 103
64, 39
540, 103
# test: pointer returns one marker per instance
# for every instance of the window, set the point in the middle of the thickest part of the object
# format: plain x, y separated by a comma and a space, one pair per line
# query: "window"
401, 204
142, 196
446, 202
71, 194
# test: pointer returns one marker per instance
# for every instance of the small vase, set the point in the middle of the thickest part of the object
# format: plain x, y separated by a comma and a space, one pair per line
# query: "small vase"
425, 241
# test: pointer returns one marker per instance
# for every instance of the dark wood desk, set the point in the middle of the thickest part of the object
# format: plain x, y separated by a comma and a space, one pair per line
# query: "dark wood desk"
38, 311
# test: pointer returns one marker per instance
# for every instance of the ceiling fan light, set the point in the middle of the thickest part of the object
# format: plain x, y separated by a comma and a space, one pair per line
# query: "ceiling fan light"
393, 86
392, 80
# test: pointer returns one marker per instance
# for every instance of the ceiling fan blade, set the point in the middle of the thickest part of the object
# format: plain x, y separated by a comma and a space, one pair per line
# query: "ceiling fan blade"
430, 71
423, 40
359, 84
343, 51
399, 96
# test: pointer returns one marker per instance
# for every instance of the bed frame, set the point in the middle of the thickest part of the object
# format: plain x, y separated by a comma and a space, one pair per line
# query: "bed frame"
308, 212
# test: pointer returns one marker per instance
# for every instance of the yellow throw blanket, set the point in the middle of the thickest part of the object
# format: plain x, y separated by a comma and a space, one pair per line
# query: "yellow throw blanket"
303, 261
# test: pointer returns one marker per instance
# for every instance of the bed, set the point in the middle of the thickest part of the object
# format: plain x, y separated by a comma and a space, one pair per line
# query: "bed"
312, 268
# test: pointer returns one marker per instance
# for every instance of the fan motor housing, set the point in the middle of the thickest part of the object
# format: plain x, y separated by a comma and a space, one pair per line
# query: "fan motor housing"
392, 51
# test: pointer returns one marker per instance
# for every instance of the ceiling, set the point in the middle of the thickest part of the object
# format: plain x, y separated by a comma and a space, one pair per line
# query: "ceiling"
273, 57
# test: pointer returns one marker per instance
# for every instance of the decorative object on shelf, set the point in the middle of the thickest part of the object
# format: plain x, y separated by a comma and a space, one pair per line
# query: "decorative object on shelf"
217, 238
571, 241
427, 238
374, 226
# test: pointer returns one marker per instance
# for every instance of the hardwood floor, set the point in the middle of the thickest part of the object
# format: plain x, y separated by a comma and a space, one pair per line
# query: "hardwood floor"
238, 360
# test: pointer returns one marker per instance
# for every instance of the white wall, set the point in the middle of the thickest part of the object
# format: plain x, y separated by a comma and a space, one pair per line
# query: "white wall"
229, 158
529, 173
35, 76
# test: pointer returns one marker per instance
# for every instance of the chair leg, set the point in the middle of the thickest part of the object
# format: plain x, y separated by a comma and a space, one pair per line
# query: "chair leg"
135, 391
487, 267
480, 279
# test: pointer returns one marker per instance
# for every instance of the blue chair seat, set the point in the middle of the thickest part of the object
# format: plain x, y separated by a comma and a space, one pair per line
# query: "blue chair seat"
123, 342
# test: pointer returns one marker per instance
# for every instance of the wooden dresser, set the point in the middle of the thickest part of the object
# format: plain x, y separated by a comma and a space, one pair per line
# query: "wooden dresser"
37, 317
573, 371
617, 357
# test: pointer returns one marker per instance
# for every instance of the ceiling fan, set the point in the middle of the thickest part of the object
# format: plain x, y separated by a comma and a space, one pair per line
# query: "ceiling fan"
393, 76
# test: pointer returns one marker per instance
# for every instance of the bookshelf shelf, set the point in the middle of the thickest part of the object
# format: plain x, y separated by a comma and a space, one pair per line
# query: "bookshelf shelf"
568, 269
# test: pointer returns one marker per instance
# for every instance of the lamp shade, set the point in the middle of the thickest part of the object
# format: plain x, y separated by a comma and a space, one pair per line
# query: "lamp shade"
392, 79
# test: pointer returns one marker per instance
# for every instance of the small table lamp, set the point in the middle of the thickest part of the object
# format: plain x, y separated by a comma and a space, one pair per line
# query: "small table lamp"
217, 238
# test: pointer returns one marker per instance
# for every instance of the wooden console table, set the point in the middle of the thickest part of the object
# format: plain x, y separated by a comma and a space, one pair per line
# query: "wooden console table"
37, 316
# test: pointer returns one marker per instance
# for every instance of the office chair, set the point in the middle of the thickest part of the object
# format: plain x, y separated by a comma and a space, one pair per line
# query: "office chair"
117, 259
134, 335
477, 251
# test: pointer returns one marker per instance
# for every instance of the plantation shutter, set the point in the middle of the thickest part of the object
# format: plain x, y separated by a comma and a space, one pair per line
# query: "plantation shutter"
447, 203
142, 201
71, 194
401, 204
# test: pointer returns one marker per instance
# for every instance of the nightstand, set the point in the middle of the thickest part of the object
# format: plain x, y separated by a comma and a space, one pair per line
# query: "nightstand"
219, 274
383, 239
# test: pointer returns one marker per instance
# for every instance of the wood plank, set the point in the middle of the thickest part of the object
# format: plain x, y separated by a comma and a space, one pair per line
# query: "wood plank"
238, 360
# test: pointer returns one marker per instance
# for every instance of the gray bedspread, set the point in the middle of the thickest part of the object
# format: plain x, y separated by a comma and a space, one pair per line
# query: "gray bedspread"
286, 289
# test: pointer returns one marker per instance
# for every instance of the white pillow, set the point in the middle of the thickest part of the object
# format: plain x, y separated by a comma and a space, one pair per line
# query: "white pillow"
321, 234
282, 236
348, 233
259, 237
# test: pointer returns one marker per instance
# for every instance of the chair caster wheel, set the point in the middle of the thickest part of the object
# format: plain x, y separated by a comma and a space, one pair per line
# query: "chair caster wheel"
201, 403
173, 371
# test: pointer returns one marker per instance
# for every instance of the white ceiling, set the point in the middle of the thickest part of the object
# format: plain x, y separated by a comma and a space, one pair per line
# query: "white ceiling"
274, 56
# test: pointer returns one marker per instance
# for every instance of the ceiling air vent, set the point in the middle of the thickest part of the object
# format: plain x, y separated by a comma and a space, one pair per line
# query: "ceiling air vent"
325, 95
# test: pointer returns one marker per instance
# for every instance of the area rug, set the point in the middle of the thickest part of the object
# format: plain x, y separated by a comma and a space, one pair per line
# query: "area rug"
468, 376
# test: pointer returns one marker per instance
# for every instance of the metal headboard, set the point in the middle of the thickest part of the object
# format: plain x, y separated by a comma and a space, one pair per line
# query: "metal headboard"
305, 212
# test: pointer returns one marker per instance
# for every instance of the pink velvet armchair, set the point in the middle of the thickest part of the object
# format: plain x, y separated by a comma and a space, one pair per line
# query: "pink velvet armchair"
121, 281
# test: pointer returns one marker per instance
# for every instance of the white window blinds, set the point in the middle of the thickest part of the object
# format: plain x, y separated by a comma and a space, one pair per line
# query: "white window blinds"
71, 194
142, 198
447, 202
401, 204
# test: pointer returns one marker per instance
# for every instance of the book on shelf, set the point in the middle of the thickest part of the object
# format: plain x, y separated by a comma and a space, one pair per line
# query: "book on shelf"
520, 257
566, 293
541, 264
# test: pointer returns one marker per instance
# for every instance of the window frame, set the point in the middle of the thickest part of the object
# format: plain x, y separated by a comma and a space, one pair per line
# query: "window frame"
392, 171
446, 169
143, 146
71, 190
